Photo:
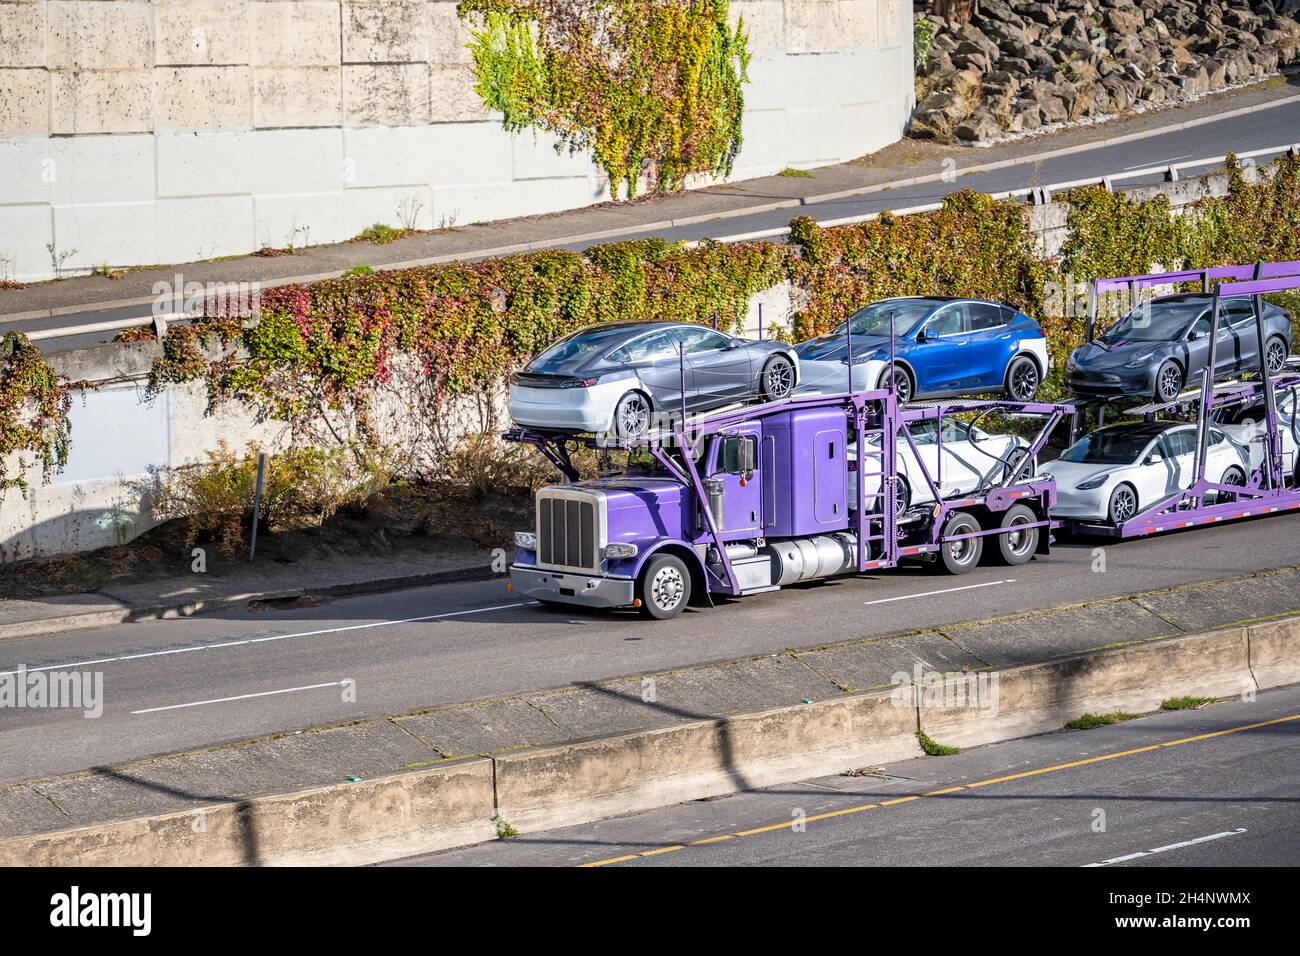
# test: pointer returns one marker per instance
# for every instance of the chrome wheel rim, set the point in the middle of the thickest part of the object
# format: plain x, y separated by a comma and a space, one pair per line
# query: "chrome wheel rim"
633, 416
961, 551
666, 588
897, 380
1123, 505
779, 379
1018, 541
1024, 381
1235, 478
1276, 356
1170, 382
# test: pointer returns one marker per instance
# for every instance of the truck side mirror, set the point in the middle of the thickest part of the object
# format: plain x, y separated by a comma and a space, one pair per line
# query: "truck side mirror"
745, 457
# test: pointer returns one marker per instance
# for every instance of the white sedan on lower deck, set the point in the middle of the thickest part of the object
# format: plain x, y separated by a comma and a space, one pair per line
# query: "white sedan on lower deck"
1116, 471
965, 459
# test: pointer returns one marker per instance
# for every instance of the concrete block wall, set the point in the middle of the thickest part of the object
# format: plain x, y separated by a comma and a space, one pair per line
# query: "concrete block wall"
136, 132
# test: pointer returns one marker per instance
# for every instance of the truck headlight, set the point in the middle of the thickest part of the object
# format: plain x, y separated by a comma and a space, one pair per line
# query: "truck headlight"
526, 540
616, 551
1093, 483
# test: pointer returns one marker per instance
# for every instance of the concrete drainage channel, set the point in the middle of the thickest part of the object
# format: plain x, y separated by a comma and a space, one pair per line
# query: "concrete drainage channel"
457, 802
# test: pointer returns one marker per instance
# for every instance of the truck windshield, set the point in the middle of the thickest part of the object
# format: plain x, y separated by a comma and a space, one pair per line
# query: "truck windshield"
874, 319
1107, 447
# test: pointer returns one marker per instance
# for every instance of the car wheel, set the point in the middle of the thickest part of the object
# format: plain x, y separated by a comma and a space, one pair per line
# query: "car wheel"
632, 416
1022, 379
1169, 382
958, 557
901, 383
1233, 476
1275, 354
777, 380
902, 497
1018, 545
664, 587
1015, 458
1123, 504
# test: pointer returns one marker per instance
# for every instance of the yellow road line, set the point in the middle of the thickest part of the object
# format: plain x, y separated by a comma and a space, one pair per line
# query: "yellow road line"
830, 814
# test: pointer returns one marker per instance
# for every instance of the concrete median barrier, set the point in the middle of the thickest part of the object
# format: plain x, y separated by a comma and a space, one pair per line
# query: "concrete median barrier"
1038, 698
575, 783
349, 823
1275, 652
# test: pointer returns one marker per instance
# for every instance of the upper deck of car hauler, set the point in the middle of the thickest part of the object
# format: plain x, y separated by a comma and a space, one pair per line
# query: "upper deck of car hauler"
1266, 490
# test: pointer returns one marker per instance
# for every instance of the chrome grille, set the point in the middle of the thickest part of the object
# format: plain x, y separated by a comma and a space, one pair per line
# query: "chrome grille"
569, 530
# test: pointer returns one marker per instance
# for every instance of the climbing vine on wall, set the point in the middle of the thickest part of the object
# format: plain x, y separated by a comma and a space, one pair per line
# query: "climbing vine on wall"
34, 406
651, 87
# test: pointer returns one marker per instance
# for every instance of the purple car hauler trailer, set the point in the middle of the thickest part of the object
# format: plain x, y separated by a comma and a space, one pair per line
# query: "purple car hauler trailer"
752, 499
1268, 489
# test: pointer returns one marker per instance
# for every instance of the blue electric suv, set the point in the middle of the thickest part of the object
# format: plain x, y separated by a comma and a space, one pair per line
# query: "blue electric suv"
942, 346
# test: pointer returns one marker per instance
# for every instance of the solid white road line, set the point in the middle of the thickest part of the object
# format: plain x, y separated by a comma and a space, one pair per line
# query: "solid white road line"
225, 700
967, 587
274, 637
1166, 849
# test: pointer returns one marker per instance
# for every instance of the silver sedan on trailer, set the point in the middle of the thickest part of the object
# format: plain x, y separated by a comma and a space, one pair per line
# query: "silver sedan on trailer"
618, 377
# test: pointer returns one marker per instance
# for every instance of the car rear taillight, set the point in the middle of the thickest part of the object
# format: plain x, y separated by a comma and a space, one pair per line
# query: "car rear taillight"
579, 383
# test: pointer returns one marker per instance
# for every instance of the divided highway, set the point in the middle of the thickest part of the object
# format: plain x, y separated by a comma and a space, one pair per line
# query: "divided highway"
175, 685
1209, 787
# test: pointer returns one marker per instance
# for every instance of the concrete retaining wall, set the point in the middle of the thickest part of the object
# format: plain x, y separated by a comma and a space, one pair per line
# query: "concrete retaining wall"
454, 805
136, 132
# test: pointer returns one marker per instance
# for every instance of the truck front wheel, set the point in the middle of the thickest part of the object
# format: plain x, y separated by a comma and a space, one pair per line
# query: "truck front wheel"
664, 587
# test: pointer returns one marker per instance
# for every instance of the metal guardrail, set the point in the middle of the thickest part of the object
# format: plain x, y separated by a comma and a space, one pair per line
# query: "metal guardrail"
1035, 195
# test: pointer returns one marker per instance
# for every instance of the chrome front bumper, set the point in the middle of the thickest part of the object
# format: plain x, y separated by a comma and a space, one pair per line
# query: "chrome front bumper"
569, 588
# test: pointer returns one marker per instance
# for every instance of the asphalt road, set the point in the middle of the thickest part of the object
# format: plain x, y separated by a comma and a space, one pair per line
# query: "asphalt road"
1265, 128
1210, 787
174, 685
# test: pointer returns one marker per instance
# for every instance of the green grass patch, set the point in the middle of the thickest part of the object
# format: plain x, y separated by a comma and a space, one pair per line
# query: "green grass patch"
361, 270
933, 749
380, 234
1186, 703
791, 173
504, 830
1089, 721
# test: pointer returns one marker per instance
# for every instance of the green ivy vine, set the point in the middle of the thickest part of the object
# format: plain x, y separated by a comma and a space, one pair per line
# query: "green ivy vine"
34, 406
649, 86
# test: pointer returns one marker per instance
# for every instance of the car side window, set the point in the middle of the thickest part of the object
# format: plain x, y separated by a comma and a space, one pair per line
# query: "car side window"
649, 348
1167, 446
1201, 327
695, 340
984, 316
1184, 441
949, 320
1238, 313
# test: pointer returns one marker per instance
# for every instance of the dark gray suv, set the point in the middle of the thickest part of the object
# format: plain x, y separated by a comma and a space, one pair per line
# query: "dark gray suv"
1161, 346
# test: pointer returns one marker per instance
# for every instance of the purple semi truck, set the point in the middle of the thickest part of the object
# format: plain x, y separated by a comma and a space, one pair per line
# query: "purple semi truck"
752, 499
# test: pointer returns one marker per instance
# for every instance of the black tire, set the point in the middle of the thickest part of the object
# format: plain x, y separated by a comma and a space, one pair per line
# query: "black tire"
903, 497
959, 557
664, 587
632, 416
1233, 476
777, 379
905, 388
1015, 458
1275, 352
1022, 379
1169, 382
1123, 504
1017, 547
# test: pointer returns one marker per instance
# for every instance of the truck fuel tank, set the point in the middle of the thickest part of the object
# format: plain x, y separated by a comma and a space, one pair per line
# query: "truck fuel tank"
820, 556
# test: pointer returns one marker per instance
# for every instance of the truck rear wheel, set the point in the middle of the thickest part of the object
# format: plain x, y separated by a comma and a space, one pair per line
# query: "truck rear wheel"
958, 557
1018, 545
664, 587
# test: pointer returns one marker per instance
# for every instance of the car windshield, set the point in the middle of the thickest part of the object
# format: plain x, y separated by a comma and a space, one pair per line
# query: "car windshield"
1108, 447
874, 319
571, 352
1156, 322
